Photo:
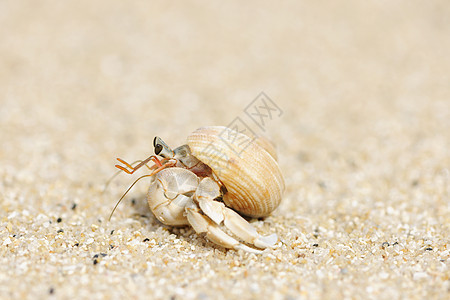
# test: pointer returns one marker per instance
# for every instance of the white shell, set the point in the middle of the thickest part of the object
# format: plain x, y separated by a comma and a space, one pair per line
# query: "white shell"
246, 167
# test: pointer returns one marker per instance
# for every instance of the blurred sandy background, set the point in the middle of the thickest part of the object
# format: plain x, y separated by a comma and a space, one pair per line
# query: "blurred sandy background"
363, 142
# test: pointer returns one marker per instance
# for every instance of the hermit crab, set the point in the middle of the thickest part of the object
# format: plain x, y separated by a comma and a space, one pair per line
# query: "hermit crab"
219, 174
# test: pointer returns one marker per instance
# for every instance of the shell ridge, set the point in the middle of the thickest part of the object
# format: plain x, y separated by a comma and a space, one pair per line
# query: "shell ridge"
252, 177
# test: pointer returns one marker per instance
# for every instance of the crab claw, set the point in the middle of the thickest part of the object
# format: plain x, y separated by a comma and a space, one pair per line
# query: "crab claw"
169, 194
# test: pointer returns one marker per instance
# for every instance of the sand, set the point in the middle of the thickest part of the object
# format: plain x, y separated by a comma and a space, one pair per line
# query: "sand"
361, 115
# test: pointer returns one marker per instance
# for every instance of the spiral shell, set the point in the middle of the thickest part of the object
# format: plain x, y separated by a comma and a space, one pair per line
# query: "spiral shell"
246, 166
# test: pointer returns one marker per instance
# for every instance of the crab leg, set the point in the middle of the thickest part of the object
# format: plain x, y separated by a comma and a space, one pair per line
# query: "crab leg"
205, 194
241, 228
202, 224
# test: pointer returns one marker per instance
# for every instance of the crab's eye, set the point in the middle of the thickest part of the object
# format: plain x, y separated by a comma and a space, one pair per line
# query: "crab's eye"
158, 149
154, 141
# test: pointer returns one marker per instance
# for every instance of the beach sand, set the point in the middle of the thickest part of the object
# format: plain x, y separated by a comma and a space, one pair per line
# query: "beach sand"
358, 97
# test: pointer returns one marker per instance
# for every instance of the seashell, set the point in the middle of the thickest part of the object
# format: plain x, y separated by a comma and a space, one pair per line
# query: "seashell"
246, 166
